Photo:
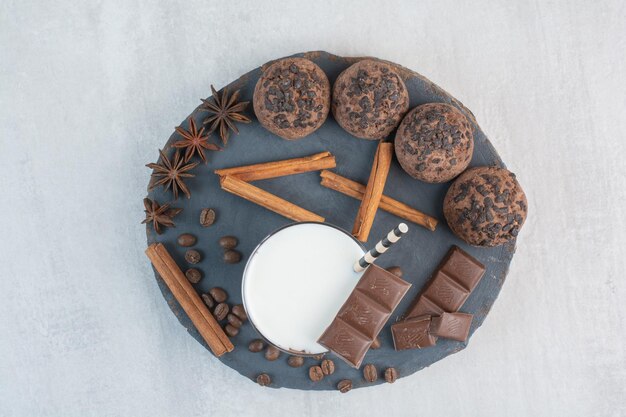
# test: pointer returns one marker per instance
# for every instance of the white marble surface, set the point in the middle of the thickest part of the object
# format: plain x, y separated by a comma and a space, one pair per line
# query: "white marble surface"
90, 89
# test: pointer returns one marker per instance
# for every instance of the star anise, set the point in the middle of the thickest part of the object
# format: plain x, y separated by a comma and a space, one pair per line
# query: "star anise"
171, 174
160, 216
194, 141
224, 112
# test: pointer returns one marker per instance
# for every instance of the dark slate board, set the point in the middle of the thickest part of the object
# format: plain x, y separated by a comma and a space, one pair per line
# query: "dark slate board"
418, 253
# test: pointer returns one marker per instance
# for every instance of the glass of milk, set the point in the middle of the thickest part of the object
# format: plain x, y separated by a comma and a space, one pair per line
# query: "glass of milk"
296, 280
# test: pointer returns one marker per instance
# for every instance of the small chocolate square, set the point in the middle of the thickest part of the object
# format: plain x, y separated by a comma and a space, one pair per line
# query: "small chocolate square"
465, 270
412, 334
359, 312
382, 286
446, 293
454, 326
424, 307
345, 342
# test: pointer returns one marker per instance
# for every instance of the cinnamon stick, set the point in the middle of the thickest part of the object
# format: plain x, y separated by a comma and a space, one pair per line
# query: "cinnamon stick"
189, 300
268, 200
356, 190
193, 295
316, 162
373, 191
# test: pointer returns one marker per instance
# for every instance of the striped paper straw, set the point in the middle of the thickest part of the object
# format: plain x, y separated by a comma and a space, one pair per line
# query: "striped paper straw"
381, 247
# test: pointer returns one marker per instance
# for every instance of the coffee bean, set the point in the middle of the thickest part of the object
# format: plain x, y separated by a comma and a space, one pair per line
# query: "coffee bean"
375, 343
272, 353
256, 345
193, 256
328, 367
208, 300
263, 380
369, 373
396, 271
232, 256
295, 361
344, 386
186, 240
391, 375
234, 320
218, 294
193, 275
221, 311
316, 373
230, 330
228, 242
207, 217
240, 312
319, 356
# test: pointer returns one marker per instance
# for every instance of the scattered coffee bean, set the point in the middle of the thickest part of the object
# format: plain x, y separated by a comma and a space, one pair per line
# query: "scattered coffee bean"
263, 380
295, 361
218, 294
272, 353
375, 343
316, 373
186, 240
319, 357
396, 271
391, 375
234, 320
230, 330
232, 256
256, 345
208, 300
193, 275
207, 217
221, 311
328, 367
369, 373
193, 256
344, 386
228, 242
240, 312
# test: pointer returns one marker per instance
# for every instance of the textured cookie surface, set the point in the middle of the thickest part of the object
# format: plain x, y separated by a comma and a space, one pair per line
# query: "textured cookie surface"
485, 206
292, 98
434, 142
369, 99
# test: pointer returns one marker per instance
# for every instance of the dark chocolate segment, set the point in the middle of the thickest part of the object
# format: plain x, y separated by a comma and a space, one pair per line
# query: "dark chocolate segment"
413, 334
454, 326
364, 314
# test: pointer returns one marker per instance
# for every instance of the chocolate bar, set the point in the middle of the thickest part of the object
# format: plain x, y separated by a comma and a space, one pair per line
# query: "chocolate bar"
454, 326
413, 334
452, 283
364, 314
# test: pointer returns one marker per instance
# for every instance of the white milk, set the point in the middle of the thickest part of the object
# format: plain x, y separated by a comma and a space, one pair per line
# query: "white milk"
296, 281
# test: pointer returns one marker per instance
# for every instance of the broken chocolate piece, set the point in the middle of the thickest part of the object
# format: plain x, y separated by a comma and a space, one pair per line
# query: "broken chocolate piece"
412, 334
455, 326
